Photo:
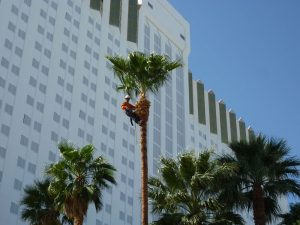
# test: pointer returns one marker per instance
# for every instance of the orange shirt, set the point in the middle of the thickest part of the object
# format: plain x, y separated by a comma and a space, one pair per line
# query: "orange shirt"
127, 105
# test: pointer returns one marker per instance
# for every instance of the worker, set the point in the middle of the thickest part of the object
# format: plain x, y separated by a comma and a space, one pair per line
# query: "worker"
129, 110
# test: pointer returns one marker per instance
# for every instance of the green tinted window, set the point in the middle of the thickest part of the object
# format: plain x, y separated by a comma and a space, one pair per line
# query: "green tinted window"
191, 93
115, 13
201, 103
242, 130
212, 112
233, 128
223, 122
132, 27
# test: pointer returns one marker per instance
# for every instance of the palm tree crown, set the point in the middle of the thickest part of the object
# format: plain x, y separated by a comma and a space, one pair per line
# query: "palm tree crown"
187, 191
78, 179
140, 73
265, 173
38, 206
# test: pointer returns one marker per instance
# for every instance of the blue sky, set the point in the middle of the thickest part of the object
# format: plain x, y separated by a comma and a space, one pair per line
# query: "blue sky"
248, 52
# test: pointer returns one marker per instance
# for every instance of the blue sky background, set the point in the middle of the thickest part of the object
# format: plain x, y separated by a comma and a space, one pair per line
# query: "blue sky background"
248, 52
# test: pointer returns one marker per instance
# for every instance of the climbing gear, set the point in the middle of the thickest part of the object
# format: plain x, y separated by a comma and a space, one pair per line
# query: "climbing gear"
127, 97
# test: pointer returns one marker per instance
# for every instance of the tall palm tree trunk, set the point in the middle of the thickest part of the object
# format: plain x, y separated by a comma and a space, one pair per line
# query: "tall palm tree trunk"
142, 109
258, 205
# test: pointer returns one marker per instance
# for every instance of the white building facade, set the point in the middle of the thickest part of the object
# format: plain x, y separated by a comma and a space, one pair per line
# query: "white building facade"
55, 84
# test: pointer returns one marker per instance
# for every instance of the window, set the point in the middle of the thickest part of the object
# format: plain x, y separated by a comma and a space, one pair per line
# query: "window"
82, 115
35, 63
34, 147
24, 141
66, 123
69, 88
37, 126
58, 99
67, 105
130, 200
131, 148
88, 49
66, 32
51, 156
42, 88
21, 34
21, 162
72, 54
47, 53
54, 136
68, 17
60, 81
29, 100
80, 133
89, 34
91, 120
74, 38
24, 17
93, 87
64, 47
114, 101
96, 55
4, 63
16, 70
32, 81
41, 30
103, 147
87, 65
89, 138
8, 44
112, 135
122, 196
124, 143
49, 36
95, 71
14, 9
45, 70
26, 120
17, 185
8, 109
56, 117
71, 70
124, 160
27, 2
31, 168
113, 118
43, 13
97, 41
18, 51
2, 152
2, 82
12, 89
131, 164
40, 107
92, 103
85, 81
76, 23
104, 129
105, 113
11, 26
77, 9
70, 3
14, 208
62, 64
111, 152
123, 178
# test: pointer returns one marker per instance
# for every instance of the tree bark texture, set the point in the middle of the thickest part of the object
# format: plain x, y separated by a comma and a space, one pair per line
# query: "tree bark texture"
142, 109
78, 220
258, 205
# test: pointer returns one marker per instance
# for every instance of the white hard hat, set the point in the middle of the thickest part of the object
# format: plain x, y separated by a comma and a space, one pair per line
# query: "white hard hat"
127, 97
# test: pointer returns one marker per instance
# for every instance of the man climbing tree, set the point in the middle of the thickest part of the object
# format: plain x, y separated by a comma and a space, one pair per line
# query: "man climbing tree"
129, 110
141, 74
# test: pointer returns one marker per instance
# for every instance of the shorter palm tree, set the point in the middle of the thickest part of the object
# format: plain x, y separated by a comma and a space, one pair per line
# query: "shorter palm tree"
187, 191
264, 173
38, 205
78, 179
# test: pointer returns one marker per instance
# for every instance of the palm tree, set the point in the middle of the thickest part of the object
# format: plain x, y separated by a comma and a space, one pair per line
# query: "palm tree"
141, 74
187, 191
78, 179
265, 173
292, 217
38, 205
